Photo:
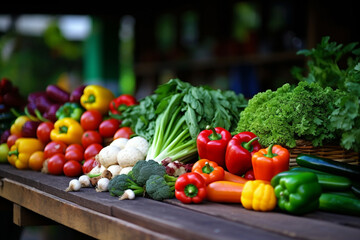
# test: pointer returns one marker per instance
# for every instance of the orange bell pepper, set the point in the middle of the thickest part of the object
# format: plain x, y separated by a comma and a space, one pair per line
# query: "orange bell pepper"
209, 170
268, 162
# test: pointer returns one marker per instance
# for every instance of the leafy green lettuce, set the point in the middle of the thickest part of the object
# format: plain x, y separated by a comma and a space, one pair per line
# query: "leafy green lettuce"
291, 113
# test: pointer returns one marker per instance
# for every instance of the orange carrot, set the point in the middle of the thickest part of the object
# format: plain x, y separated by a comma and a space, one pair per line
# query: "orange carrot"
224, 191
234, 178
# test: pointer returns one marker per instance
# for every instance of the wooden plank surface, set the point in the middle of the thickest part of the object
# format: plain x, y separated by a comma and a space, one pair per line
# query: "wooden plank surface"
193, 221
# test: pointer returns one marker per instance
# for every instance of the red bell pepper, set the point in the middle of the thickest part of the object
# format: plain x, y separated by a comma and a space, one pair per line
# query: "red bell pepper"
239, 152
268, 162
190, 188
211, 144
118, 104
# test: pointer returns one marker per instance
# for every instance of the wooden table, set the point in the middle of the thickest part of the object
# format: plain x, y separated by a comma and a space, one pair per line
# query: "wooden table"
37, 197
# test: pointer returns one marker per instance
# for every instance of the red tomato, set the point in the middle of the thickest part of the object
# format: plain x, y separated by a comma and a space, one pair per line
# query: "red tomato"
43, 131
56, 163
89, 164
91, 119
74, 146
72, 168
12, 139
108, 127
74, 154
249, 175
90, 137
124, 132
54, 147
92, 150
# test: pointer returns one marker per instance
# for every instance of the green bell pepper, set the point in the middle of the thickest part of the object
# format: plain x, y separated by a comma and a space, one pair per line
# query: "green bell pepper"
297, 193
71, 110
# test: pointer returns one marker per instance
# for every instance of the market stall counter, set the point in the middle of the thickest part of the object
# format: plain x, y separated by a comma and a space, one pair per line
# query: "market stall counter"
39, 198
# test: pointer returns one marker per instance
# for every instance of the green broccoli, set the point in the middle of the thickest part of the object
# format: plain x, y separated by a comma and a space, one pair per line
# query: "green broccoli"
142, 170
122, 182
160, 187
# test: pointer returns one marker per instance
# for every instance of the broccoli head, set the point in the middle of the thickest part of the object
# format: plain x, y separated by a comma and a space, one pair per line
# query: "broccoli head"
122, 182
160, 187
142, 170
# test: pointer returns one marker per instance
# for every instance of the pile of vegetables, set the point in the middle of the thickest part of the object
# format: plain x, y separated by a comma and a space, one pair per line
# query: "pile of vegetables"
174, 115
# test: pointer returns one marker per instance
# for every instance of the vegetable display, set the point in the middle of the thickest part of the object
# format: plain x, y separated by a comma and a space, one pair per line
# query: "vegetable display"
197, 144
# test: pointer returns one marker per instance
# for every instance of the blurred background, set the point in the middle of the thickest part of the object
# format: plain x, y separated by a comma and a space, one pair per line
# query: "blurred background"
246, 46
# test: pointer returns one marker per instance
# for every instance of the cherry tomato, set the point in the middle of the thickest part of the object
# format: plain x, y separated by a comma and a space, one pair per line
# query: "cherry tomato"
108, 127
43, 131
54, 147
12, 139
249, 175
90, 137
75, 146
36, 160
89, 164
74, 153
91, 119
124, 132
72, 168
92, 150
56, 163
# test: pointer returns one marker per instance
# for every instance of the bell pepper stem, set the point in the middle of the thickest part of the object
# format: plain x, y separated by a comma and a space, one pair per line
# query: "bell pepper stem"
14, 152
191, 190
248, 145
207, 168
214, 135
63, 129
270, 153
91, 99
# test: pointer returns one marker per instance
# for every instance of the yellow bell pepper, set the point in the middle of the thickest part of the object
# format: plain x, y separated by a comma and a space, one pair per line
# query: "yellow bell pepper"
67, 130
16, 127
96, 97
258, 195
21, 151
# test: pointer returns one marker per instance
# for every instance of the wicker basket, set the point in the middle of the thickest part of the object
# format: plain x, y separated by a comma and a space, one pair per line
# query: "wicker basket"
336, 153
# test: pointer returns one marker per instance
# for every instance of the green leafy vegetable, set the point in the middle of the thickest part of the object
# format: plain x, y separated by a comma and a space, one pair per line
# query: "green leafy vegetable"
291, 113
326, 67
175, 115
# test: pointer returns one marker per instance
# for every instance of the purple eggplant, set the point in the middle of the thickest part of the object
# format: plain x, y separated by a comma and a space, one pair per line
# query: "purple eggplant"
57, 94
30, 108
4, 136
51, 113
29, 129
33, 96
77, 93
43, 103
